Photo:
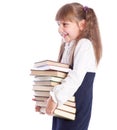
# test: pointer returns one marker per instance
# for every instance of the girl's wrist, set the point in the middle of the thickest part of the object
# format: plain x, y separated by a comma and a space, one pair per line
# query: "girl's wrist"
53, 97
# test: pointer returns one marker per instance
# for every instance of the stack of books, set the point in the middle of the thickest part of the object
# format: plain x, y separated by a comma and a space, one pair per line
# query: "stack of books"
48, 74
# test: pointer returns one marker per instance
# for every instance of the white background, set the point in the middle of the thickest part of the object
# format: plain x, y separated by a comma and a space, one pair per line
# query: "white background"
28, 33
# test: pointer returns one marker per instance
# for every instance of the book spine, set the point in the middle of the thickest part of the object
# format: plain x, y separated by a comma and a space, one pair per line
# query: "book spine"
42, 93
67, 108
42, 88
69, 103
64, 114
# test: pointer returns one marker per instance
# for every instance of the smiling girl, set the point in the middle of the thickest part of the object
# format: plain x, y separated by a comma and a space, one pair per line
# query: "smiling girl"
81, 48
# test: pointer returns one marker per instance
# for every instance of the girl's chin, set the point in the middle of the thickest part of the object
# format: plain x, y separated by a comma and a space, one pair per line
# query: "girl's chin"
66, 39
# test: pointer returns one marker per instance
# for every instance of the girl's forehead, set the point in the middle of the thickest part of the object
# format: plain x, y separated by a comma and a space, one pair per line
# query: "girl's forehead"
63, 21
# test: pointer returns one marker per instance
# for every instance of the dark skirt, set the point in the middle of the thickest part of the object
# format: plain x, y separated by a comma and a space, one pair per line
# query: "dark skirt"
83, 97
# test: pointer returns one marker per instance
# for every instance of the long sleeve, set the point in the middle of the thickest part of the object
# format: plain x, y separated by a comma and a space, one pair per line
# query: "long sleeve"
84, 61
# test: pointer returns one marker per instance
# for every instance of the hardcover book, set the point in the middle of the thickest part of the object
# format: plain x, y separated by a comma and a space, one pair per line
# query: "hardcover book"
47, 83
42, 87
48, 78
48, 73
50, 63
47, 67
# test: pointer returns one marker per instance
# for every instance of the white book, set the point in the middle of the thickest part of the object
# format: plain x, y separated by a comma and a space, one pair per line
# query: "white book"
51, 67
48, 78
50, 62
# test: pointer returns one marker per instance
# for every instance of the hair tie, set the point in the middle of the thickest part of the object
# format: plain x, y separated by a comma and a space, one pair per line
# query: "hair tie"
85, 8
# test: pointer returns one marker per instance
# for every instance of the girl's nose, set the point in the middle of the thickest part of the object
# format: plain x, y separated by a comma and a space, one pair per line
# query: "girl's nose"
60, 29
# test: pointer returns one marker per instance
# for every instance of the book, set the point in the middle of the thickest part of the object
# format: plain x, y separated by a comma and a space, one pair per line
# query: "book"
72, 99
39, 98
50, 67
48, 73
42, 88
41, 103
42, 93
50, 63
67, 108
64, 114
69, 103
48, 78
47, 83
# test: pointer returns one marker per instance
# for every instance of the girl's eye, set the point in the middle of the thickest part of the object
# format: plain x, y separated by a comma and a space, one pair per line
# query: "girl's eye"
65, 24
58, 24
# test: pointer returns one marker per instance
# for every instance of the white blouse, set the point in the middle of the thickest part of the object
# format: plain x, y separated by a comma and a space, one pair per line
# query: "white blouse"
84, 61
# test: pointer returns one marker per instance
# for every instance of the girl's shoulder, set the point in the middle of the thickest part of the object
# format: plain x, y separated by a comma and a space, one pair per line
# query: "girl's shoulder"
84, 43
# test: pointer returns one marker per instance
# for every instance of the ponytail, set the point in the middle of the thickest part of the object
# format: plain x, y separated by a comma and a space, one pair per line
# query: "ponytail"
92, 32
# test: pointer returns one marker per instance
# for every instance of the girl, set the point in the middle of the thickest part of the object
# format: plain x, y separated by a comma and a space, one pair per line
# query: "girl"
81, 49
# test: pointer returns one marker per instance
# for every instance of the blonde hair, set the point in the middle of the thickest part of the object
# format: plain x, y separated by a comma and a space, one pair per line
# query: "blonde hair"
76, 12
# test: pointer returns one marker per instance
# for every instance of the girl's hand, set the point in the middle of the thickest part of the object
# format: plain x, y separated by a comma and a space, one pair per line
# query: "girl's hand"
51, 106
37, 108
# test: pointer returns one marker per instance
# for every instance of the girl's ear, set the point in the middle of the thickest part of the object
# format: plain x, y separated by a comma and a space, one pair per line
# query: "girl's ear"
82, 24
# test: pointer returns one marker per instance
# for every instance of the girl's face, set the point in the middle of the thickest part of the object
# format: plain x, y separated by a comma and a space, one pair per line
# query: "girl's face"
68, 30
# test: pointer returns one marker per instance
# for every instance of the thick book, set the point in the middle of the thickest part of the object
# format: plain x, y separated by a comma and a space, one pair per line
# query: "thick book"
40, 98
50, 63
42, 93
47, 83
50, 67
48, 78
64, 114
66, 108
48, 73
70, 103
42, 88
41, 103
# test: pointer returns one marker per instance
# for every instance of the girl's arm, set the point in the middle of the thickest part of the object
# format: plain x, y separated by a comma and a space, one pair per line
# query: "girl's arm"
84, 61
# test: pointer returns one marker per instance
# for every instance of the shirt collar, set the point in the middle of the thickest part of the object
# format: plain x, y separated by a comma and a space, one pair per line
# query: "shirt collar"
70, 44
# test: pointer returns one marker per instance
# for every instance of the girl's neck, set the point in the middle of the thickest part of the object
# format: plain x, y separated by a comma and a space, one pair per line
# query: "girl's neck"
71, 42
